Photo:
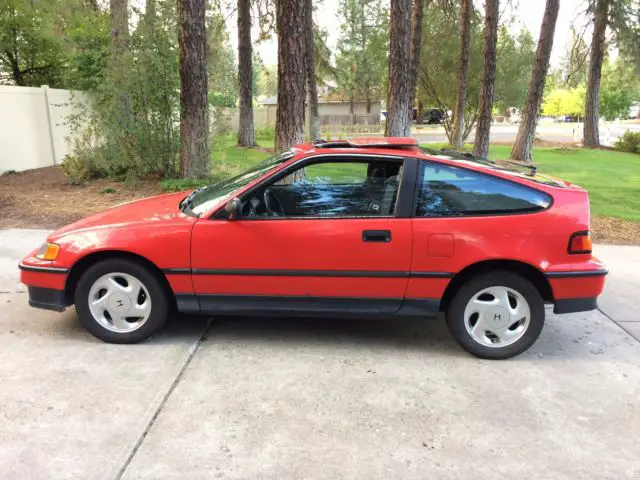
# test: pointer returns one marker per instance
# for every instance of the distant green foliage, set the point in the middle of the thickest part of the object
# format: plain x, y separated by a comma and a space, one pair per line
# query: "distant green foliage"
440, 61
362, 53
629, 142
184, 184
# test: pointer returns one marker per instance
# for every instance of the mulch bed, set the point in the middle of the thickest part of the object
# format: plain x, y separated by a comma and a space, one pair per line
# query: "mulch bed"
44, 198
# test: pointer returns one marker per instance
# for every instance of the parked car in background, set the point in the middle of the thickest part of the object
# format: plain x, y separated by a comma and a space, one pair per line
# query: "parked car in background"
433, 116
371, 227
567, 119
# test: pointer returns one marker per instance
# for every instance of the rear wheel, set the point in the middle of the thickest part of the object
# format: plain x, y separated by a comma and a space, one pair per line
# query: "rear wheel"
496, 315
120, 301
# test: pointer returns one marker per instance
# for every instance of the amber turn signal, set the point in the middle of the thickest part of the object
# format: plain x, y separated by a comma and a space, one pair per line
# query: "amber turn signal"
580, 242
48, 251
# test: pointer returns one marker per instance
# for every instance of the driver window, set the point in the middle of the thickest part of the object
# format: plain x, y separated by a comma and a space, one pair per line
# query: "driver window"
331, 189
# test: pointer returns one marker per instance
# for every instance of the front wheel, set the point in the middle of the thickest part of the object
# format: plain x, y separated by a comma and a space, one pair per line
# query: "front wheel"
120, 301
496, 315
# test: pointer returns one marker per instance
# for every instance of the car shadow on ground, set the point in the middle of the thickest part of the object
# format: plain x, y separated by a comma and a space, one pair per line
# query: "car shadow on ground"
395, 333
558, 341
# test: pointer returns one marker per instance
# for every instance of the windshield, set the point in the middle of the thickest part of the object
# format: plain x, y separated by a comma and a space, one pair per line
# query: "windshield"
206, 198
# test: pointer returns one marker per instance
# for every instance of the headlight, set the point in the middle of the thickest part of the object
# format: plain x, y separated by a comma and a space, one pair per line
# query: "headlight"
48, 251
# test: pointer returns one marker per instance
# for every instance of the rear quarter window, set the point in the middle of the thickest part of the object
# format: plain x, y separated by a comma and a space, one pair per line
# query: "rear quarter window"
451, 191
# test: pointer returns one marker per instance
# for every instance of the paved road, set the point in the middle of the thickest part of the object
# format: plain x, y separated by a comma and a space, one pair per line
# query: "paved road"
561, 133
301, 398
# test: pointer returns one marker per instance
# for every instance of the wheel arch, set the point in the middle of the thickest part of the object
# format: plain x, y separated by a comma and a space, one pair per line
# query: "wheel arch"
531, 273
92, 258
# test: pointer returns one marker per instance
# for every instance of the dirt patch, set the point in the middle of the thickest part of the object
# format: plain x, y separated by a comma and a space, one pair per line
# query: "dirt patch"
615, 231
45, 198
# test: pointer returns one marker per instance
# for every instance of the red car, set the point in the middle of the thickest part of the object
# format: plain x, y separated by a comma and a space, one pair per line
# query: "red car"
366, 228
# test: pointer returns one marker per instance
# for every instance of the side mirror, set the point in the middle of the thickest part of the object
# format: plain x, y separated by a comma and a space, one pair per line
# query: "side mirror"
234, 209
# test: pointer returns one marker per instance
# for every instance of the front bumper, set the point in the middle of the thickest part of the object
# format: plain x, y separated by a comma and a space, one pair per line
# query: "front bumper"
47, 298
46, 285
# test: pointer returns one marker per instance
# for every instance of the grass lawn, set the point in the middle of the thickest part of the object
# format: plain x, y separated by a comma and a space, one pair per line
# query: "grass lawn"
612, 178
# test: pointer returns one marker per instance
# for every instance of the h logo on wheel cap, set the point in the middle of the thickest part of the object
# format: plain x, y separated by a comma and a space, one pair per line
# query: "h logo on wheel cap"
120, 303
497, 316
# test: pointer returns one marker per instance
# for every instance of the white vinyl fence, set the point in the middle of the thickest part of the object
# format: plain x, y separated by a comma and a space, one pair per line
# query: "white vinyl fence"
33, 126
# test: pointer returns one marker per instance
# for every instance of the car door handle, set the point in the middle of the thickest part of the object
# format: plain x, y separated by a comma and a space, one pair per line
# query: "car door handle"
383, 236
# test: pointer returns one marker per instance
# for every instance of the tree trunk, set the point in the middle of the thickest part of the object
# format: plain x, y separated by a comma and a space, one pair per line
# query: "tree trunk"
481, 144
592, 100
416, 43
119, 27
466, 8
314, 120
194, 108
291, 73
398, 97
529, 120
246, 132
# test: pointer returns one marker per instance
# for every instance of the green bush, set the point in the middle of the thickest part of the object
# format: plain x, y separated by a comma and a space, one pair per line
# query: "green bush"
266, 133
629, 142
79, 167
183, 184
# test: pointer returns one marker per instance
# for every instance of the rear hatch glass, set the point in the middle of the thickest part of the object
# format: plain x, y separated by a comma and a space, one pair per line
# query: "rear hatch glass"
521, 170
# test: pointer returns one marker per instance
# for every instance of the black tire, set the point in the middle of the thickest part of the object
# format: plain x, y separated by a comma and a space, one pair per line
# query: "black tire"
456, 320
160, 305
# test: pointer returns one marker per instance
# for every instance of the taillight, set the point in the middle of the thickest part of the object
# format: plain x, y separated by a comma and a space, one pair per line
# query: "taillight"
580, 242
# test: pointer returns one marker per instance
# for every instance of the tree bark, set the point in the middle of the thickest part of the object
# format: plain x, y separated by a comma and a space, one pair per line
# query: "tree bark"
466, 8
529, 120
481, 144
246, 132
291, 73
398, 97
314, 117
194, 108
594, 76
119, 27
416, 44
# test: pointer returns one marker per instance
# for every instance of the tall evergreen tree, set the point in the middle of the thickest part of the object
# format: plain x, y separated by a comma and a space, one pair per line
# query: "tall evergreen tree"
526, 131
194, 113
483, 130
246, 132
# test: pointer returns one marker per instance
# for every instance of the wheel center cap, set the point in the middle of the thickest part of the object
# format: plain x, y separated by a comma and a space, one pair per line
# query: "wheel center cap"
119, 302
497, 317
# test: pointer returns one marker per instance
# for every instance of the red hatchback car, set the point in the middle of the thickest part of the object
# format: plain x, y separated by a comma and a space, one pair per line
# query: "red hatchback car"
366, 227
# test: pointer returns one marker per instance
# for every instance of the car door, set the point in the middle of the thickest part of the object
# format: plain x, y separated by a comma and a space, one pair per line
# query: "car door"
336, 237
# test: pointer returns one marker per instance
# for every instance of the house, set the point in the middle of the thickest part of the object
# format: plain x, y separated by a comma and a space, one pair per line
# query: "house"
336, 111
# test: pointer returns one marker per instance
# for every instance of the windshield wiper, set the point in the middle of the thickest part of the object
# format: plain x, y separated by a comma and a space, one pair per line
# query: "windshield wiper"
187, 202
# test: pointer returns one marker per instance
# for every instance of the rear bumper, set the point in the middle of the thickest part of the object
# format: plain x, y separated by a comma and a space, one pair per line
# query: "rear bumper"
573, 305
47, 298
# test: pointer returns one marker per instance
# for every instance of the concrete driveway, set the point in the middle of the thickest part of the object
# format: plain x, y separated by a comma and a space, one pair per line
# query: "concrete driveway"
302, 398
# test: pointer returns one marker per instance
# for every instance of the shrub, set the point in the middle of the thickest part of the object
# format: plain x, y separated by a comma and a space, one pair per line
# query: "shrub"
78, 168
629, 142
266, 133
183, 184
108, 190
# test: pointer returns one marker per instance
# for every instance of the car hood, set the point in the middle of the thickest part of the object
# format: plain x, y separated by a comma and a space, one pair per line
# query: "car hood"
162, 208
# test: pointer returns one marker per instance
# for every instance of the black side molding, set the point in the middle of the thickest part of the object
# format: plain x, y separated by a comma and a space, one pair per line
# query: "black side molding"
306, 273
572, 305
47, 299
29, 268
579, 273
